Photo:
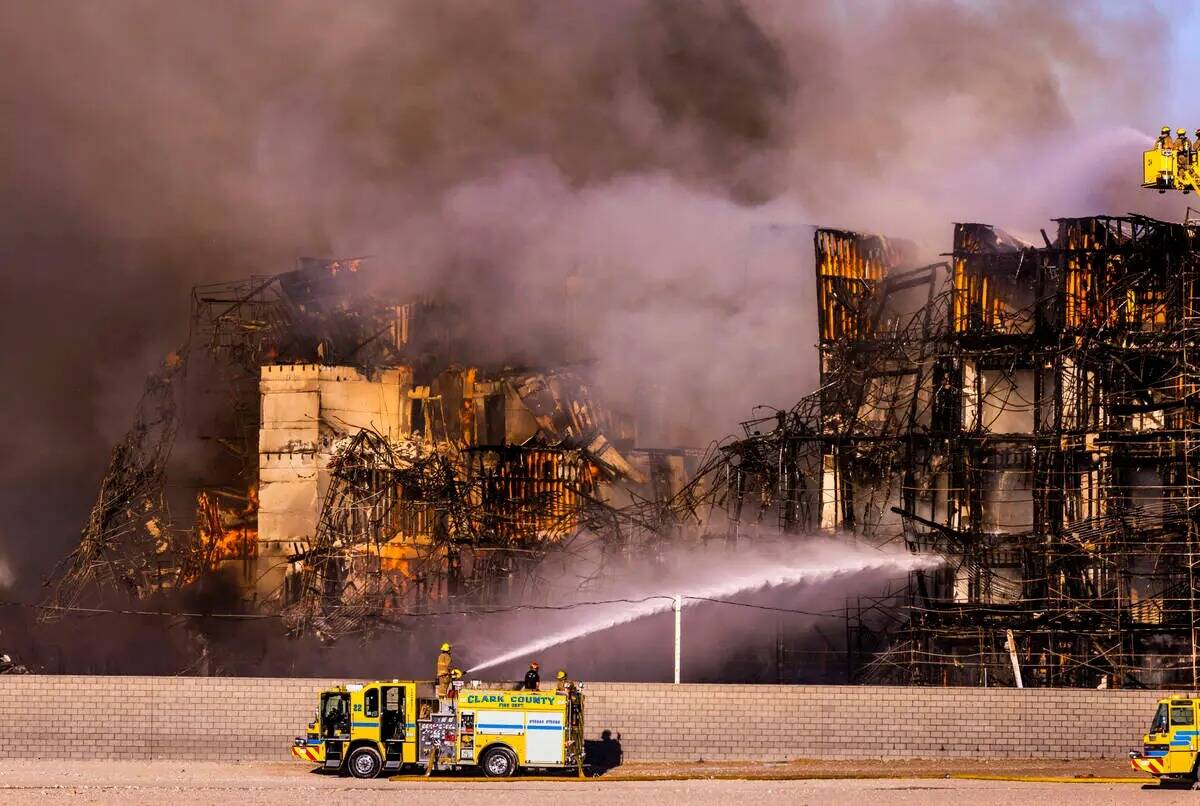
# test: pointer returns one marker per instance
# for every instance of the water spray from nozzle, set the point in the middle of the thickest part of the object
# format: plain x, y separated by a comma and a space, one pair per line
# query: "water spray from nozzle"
778, 574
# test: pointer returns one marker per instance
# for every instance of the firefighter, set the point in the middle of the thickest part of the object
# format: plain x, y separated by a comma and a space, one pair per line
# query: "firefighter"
565, 687
444, 662
456, 683
533, 678
1183, 149
1165, 141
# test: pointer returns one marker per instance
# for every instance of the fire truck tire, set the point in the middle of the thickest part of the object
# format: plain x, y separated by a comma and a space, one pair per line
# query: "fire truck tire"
364, 763
498, 762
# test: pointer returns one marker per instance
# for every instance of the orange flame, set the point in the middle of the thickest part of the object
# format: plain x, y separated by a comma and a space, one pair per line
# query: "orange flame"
226, 532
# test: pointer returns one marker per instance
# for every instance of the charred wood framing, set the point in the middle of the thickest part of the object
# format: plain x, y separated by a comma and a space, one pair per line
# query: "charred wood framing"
356, 470
1029, 413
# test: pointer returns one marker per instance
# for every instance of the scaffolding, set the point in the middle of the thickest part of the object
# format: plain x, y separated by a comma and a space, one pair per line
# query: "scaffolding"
1027, 412
128, 543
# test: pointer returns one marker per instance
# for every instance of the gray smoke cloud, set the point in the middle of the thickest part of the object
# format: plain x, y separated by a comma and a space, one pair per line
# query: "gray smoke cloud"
646, 168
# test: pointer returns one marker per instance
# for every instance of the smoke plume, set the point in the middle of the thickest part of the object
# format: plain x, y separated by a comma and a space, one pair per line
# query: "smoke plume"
630, 181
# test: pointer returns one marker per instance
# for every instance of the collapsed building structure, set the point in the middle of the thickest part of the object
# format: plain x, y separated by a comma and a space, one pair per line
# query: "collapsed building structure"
357, 470
1030, 413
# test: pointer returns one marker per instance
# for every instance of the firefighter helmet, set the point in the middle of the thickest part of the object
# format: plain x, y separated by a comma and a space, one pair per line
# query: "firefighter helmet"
456, 674
562, 674
1181, 132
445, 647
1166, 130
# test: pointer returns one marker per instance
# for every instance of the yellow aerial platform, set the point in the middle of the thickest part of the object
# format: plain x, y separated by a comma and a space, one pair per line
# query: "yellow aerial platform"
1161, 171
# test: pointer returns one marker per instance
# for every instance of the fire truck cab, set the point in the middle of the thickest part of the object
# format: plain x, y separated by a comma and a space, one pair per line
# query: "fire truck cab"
366, 729
1169, 750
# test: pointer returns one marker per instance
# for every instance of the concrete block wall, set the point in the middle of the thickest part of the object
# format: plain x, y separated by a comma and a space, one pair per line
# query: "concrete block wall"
661, 722
213, 718
255, 719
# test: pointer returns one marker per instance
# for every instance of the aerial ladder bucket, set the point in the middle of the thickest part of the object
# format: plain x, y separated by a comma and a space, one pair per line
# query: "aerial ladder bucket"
1161, 171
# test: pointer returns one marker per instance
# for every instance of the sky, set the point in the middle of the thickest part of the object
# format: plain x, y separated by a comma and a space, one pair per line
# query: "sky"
1183, 96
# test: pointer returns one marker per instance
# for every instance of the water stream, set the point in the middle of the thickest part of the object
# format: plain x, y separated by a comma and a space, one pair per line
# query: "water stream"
731, 579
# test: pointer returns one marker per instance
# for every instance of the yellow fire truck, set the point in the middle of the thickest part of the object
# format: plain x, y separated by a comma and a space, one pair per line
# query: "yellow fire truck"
1170, 749
394, 725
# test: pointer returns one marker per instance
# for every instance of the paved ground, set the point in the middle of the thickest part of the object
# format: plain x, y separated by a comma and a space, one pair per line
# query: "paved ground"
131, 783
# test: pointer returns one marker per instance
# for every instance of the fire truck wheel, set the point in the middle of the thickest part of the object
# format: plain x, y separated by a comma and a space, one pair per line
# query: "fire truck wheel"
498, 762
364, 763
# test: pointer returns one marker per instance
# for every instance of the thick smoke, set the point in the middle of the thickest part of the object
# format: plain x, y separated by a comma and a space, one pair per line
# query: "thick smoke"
630, 180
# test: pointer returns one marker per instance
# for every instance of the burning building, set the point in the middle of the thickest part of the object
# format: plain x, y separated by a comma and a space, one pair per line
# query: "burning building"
1028, 412
354, 465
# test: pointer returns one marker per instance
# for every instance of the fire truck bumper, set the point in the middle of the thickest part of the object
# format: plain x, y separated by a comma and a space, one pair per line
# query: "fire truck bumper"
1147, 764
313, 753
